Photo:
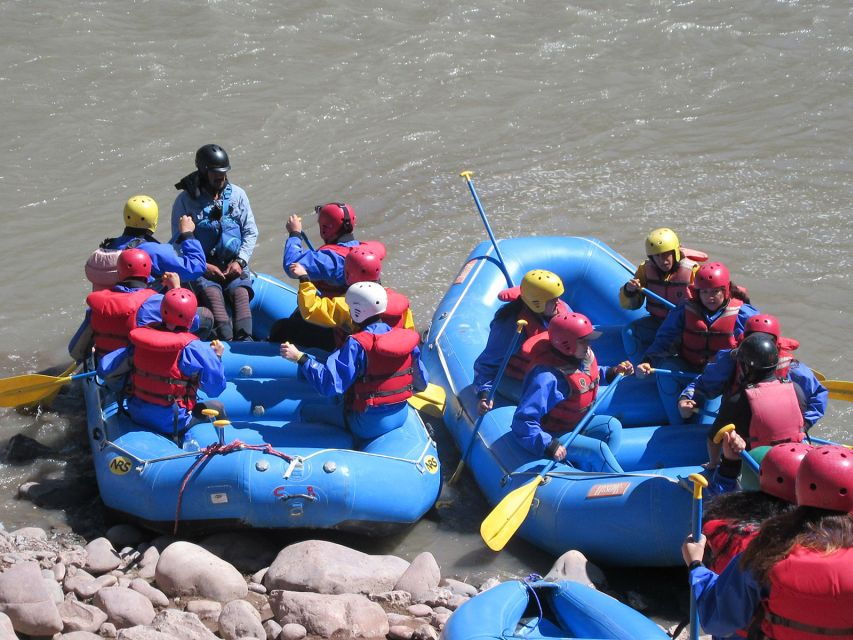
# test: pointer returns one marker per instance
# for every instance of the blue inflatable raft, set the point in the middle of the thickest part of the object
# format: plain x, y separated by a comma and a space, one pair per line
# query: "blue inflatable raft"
532, 610
636, 515
281, 466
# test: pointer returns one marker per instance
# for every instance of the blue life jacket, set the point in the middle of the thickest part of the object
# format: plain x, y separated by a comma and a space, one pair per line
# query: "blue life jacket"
220, 238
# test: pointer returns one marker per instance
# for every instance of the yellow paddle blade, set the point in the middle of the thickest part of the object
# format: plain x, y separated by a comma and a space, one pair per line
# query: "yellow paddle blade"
431, 400
20, 390
48, 399
507, 516
839, 389
818, 375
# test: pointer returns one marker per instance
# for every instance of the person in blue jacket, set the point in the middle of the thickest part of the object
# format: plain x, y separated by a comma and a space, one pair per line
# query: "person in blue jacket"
376, 369
719, 375
166, 364
795, 579
559, 390
185, 257
324, 267
226, 229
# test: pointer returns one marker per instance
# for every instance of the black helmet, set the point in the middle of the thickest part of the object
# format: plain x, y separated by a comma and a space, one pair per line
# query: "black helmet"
212, 157
758, 355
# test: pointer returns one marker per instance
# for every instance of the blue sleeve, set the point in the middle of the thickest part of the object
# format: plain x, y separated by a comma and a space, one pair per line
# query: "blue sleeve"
80, 330
111, 361
320, 265
539, 394
669, 331
248, 227
501, 334
198, 358
713, 380
149, 312
421, 377
720, 484
339, 371
727, 602
745, 312
816, 395
189, 264
181, 207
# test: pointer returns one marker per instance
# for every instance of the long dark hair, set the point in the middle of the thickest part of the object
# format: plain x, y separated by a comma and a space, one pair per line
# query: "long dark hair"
809, 527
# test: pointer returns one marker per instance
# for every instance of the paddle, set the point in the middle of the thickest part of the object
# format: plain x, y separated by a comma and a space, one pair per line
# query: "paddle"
431, 400
674, 374
699, 483
818, 375
839, 389
307, 241
467, 175
519, 329
52, 396
651, 294
509, 514
750, 461
20, 390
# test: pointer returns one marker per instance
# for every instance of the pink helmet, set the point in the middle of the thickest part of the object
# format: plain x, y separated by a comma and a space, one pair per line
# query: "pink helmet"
712, 276
335, 219
778, 473
764, 323
825, 479
566, 329
133, 263
362, 264
178, 307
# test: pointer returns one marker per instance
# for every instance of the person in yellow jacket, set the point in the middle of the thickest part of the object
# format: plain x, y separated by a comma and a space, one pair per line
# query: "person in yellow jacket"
668, 272
362, 264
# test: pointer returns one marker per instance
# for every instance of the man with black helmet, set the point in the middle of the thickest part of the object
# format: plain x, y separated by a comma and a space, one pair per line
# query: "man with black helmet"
764, 409
226, 228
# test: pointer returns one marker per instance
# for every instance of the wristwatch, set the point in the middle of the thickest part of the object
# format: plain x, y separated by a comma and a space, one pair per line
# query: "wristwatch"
241, 262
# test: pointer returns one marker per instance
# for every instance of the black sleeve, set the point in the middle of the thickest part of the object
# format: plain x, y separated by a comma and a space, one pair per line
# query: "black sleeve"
734, 410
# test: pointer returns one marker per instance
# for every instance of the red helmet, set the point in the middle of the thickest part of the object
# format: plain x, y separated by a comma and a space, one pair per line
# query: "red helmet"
712, 276
362, 264
335, 219
565, 329
778, 473
825, 479
133, 263
764, 323
375, 246
178, 307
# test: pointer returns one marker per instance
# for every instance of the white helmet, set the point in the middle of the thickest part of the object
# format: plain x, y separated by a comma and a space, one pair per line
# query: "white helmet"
366, 299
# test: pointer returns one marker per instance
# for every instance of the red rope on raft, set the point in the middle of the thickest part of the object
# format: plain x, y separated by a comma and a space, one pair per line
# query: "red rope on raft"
221, 450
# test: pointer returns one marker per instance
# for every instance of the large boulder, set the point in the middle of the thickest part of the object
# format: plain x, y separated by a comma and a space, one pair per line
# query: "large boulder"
348, 615
24, 598
186, 569
79, 616
124, 607
325, 567
421, 577
101, 557
574, 566
239, 619
181, 625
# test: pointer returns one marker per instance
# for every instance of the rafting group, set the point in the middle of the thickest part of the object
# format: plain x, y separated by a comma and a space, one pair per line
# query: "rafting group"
530, 396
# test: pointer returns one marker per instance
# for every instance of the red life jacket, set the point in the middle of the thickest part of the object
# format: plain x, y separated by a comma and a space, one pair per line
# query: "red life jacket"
388, 377
394, 316
776, 413
582, 381
156, 377
786, 357
726, 543
674, 286
519, 364
700, 342
114, 316
811, 596
332, 289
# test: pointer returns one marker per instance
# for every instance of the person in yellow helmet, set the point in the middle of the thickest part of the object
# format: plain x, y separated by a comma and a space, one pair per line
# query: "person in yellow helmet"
536, 301
140, 215
668, 272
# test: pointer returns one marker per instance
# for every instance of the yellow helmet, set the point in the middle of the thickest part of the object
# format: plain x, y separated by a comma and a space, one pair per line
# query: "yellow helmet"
540, 286
141, 212
663, 240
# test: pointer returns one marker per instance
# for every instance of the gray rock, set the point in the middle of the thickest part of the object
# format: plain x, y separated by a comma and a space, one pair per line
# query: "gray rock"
438, 620
456, 601
30, 532
208, 612
59, 570
248, 552
258, 576
437, 597
574, 566
257, 588
425, 632
459, 588
400, 632
24, 598
108, 630
637, 601
54, 589
79, 635
7, 631
124, 607
329, 568
125, 535
185, 569
397, 619
89, 589
348, 615
239, 619
422, 575
420, 610
398, 599
101, 557
273, 629
78, 616
21, 448
75, 578
181, 624
293, 631
488, 584
149, 557
142, 632
157, 597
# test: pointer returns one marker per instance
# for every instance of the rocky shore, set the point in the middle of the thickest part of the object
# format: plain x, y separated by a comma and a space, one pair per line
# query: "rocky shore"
228, 586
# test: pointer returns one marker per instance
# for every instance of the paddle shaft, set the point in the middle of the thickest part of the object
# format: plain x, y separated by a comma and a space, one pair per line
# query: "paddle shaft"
674, 374
697, 533
307, 241
467, 176
651, 294
492, 392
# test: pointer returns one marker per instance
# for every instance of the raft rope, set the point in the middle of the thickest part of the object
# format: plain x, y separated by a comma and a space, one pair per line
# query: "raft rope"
528, 583
220, 449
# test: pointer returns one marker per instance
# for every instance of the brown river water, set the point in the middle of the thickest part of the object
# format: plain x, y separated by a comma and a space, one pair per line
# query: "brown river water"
728, 121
